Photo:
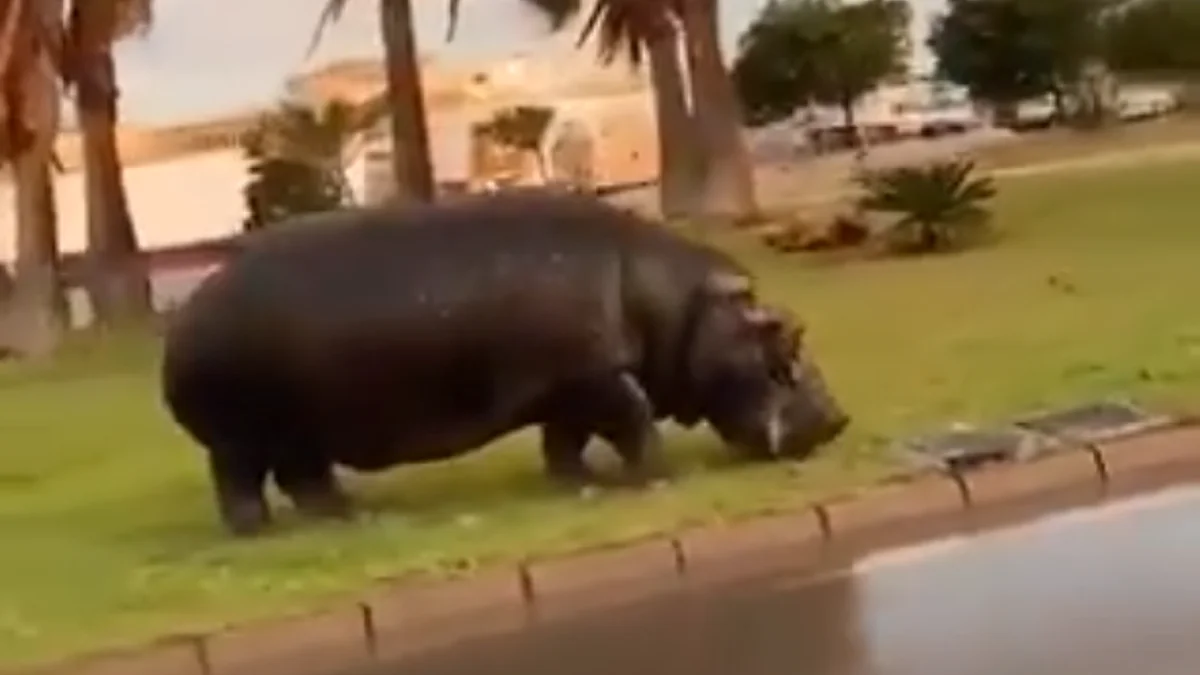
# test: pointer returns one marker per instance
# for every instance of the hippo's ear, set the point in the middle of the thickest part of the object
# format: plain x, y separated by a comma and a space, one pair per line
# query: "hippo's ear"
779, 326
780, 334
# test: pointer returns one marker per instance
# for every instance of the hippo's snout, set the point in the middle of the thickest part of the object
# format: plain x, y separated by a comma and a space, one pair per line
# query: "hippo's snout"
834, 428
807, 440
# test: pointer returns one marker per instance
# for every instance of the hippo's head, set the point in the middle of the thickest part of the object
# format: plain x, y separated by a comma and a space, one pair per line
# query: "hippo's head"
763, 394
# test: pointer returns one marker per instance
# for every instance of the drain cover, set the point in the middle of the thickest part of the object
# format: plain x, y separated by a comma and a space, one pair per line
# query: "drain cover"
961, 449
1098, 421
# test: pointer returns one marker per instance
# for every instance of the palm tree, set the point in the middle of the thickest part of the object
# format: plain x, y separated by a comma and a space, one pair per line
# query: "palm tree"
29, 109
729, 184
118, 286
411, 164
638, 28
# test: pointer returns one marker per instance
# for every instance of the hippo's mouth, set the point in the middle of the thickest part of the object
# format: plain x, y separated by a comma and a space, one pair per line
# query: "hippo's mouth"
794, 446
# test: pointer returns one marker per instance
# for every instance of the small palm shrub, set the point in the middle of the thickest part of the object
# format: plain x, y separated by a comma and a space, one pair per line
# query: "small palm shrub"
280, 188
297, 158
936, 206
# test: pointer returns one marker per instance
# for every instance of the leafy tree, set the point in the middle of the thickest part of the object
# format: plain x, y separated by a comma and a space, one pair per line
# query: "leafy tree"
1153, 36
522, 127
802, 51
938, 205
30, 31
1004, 51
412, 166
117, 285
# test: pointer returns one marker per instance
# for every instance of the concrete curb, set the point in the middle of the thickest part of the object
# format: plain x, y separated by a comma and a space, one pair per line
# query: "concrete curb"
391, 623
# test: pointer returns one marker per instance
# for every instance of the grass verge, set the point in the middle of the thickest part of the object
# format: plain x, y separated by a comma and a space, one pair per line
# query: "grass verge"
109, 535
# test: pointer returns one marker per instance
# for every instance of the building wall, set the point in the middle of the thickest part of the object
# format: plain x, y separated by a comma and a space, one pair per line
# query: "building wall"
626, 141
172, 202
622, 126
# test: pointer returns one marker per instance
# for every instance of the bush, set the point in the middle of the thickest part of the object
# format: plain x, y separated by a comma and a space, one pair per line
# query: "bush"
846, 231
938, 206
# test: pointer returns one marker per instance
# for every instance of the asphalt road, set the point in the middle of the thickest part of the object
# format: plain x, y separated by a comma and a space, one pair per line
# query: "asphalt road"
1111, 590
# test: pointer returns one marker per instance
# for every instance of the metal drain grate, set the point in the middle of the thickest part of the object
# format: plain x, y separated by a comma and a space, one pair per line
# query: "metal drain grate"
962, 449
1094, 422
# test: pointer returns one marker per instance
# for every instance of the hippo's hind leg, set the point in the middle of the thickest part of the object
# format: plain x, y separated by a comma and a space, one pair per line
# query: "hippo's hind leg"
238, 478
306, 476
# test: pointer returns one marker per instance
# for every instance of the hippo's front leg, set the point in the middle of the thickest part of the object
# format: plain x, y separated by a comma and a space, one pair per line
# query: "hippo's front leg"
627, 421
613, 406
563, 444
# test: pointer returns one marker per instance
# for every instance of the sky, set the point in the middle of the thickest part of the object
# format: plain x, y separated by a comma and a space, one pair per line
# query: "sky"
206, 57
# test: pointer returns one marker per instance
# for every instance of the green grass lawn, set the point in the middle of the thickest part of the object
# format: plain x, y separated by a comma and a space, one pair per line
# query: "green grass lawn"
109, 534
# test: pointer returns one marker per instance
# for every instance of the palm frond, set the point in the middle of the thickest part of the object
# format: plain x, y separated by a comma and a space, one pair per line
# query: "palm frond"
133, 17
453, 10
331, 13
558, 12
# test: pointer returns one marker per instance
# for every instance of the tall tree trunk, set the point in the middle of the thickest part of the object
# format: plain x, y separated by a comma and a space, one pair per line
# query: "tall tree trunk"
117, 281
849, 119
680, 168
36, 311
1059, 98
857, 138
729, 179
411, 164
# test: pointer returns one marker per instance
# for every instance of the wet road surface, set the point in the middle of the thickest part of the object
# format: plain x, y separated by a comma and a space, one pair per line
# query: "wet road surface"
1112, 590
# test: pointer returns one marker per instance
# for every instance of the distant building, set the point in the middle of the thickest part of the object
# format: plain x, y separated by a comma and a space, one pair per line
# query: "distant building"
185, 182
610, 105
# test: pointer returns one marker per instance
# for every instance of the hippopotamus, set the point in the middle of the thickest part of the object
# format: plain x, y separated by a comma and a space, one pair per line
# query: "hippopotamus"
373, 337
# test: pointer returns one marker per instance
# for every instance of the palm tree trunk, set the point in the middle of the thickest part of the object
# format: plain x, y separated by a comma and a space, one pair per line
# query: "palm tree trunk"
411, 164
729, 176
36, 311
681, 173
118, 286
12, 15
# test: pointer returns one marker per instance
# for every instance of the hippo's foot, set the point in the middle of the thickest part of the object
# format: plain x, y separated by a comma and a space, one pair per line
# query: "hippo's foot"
245, 517
239, 491
616, 408
589, 493
631, 431
573, 478
562, 450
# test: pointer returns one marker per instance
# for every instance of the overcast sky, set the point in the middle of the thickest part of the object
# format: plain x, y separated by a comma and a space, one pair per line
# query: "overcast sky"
210, 56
